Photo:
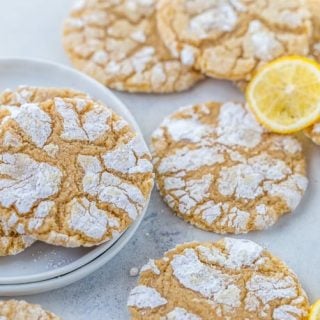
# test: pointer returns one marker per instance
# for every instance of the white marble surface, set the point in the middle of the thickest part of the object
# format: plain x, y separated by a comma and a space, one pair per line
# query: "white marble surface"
31, 28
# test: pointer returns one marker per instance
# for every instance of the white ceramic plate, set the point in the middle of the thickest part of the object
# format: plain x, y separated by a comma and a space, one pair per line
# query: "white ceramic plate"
41, 261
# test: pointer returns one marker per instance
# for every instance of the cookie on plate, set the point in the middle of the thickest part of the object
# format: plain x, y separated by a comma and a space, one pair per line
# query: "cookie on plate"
72, 172
29, 94
218, 169
11, 242
117, 43
230, 39
21, 310
230, 279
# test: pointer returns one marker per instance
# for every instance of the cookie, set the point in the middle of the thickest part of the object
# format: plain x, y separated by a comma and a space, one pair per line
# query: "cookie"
21, 310
231, 279
28, 94
117, 43
218, 169
230, 39
72, 172
11, 242
314, 131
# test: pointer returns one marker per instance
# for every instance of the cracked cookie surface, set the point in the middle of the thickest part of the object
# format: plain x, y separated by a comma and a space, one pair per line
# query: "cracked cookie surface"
72, 172
218, 169
230, 39
314, 131
11, 242
231, 279
21, 310
117, 43
28, 94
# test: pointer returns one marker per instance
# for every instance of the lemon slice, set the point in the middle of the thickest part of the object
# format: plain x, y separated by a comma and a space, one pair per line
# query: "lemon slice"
285, 94
315, 311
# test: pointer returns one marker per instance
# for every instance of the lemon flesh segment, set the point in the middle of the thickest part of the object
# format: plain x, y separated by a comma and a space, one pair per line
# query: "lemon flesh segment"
285, 94
315, 311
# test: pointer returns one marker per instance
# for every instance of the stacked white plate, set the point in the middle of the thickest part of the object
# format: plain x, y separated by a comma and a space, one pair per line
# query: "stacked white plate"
43, 267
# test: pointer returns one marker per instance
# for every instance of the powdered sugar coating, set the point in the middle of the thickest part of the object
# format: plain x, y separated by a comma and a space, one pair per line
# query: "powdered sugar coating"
231, 175
61, 190
231, 39
180, 314
35, 123
27, 181
145, 297
229, 279
210, 283
16, 310
109, 188
118, 44
150, 266
10, 241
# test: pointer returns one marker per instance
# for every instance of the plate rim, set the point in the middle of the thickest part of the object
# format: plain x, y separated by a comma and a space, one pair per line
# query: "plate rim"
15, 62
32, 288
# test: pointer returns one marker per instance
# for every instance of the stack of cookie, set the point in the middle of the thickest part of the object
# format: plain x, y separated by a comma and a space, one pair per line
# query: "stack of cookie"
72, 172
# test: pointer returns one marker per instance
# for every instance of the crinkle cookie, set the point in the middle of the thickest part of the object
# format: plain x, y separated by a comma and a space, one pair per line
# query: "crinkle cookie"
21, 310
218, 169
117, 43
11, 242
230, 39
230, 279
314, 131
27, 94
72, 172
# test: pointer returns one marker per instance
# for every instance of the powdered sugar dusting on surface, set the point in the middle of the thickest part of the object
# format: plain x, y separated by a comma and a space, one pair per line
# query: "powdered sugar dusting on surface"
126, 158
180, 314
122, 53
239, 253
12, 140
237, 127
41, 212
195, 191
245, 162
244, 180
237, 220
291, 190
209, 211
210, 282
151, 266
189, 129
227, 278
27, 181
91, 127
109, 188
34, 122
288, 312
220, 18
264, 43
187, 160
268, 289
145, 297
87, 218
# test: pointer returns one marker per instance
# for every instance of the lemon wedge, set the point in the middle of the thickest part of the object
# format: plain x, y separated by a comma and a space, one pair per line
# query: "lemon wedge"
315, 311
285, 94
